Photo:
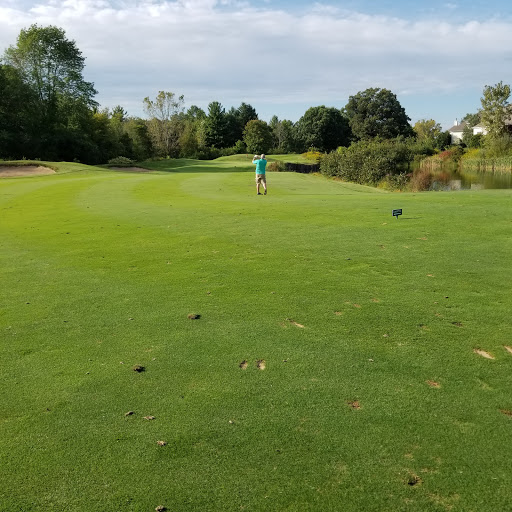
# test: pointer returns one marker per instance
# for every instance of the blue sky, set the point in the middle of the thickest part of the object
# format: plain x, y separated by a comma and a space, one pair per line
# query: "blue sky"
283, 56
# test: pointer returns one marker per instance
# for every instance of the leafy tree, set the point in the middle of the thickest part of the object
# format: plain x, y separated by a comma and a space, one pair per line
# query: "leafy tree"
52, 66
165, 124
214, 129
495, 109
18, 115
427, 129
443, 140
324, 128
236, 119
141, 143
195, 113
471, 119
284, 135
246, 113
258, 136
189, 140
377, 113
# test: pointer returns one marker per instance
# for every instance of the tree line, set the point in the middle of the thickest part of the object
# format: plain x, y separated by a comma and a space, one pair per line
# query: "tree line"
48, 111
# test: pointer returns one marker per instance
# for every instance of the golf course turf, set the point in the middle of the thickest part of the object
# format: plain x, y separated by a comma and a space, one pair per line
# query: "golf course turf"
169, 338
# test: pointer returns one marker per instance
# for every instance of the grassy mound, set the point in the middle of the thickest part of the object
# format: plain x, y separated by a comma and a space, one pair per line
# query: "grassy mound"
173, 339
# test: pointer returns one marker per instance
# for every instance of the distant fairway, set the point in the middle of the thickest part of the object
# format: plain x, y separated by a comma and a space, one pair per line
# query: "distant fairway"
341, 361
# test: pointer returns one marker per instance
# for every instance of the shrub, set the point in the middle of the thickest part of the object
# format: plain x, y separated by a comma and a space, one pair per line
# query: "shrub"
208, 153
276, 166
367, 162
312, 154
120, 160
421, 180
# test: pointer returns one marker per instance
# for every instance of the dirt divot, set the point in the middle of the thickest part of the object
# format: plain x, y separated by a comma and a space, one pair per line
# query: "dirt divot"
506, 412
507, 348
433, 384
243, 365
129, 413
354, 404
193, 316
293, 322
483, 353
149, 418
261, 364
139, 368
10, 171
161, 508
161, 443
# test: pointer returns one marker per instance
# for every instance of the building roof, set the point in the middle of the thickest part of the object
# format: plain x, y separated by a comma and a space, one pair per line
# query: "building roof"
456, 128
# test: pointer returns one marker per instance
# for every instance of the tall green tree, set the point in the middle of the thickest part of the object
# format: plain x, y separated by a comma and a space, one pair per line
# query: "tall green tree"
377, 113
18, 115
284, 135
258, 136
495, 109
165, 121
214, 129
427, 130
324, 128
52, 66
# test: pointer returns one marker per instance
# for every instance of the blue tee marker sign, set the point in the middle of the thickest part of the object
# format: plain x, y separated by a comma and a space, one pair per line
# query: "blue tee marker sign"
396, 213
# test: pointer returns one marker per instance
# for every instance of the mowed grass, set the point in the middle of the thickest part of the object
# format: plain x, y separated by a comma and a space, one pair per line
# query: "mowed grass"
372, 396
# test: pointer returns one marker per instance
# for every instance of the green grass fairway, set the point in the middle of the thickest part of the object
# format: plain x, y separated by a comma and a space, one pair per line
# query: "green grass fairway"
369, 395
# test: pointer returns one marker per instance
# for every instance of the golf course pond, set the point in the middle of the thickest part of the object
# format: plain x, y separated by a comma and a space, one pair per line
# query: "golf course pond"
448, 179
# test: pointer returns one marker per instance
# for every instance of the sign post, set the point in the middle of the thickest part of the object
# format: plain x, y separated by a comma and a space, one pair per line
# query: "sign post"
396, 213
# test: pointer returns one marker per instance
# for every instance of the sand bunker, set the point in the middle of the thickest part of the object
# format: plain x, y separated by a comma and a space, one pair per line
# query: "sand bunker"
129, 169
23, 170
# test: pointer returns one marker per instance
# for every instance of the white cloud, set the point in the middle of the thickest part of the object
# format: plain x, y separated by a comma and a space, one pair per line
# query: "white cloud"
230, 51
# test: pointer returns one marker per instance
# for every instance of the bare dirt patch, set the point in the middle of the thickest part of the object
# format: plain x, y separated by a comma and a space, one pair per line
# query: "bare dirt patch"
508, 349
243, 365
293, 322
354, 404
129, 169
433, 384
506, 412
483, 353
10, 171
261, 365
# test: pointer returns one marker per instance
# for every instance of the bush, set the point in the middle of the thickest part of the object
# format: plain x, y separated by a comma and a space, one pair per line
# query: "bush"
208, 153
395, 181
120, 160
421, 180
313, 154
368, 162
276, 166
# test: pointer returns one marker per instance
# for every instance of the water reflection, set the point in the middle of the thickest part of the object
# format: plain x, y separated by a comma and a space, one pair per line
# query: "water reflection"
456, 180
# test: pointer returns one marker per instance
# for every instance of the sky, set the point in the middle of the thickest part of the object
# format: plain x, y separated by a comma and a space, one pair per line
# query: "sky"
283, 56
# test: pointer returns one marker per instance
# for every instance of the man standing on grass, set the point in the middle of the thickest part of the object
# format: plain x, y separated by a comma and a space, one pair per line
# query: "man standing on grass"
261, 163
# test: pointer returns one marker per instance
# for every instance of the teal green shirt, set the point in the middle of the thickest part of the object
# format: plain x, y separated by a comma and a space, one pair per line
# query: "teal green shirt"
260, 165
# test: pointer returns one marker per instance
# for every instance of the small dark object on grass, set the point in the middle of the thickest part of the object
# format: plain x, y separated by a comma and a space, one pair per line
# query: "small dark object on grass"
193, 316
414, 480
138, 368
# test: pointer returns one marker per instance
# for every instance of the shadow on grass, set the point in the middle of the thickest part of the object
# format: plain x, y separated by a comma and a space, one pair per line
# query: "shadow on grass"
184, 165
